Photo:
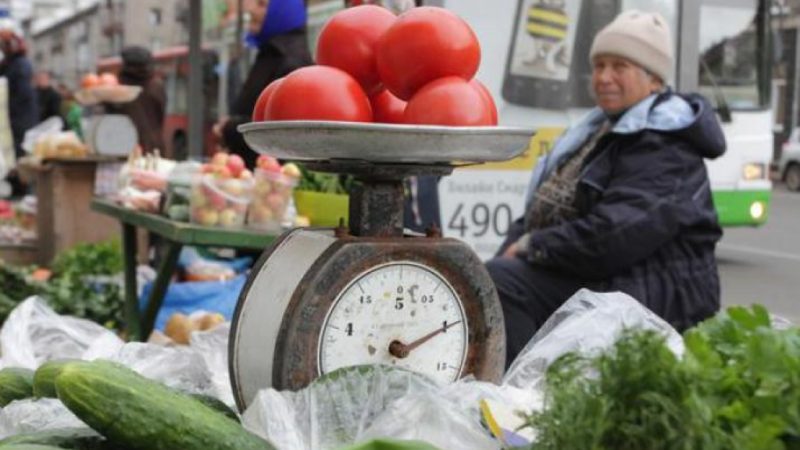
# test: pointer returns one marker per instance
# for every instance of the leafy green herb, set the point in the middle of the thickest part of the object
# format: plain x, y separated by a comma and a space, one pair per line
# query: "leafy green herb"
83, 284
324, 182
736, 388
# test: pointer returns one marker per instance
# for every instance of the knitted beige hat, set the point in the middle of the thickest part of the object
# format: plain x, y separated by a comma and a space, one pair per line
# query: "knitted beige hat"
641, 37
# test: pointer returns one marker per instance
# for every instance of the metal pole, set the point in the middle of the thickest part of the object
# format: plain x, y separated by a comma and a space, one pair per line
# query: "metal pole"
196, 107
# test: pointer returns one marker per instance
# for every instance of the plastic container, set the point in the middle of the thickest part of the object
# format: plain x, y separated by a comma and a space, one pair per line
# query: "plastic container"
273, 192
221, 202
321, 208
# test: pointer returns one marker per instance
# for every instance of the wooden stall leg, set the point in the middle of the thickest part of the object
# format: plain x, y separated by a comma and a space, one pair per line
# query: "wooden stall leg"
165, 271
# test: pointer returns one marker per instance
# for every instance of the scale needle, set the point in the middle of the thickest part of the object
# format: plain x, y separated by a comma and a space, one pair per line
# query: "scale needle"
400, 350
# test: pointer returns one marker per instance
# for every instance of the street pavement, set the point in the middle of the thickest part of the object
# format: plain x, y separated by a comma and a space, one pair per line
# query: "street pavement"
762, 265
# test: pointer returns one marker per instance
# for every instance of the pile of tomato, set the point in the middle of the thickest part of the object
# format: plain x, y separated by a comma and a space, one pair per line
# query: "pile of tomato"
373, 66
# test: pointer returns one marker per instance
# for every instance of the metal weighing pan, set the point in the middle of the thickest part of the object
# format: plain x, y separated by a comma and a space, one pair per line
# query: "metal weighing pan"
384, 143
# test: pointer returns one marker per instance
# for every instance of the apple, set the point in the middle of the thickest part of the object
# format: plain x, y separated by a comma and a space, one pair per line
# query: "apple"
222, 172
228, 218
246, 175
233, 187
219, 159
197, 214
268, 163
260, 214
291, 170
208, 217
235, 165
276, 202
263, 188
216, 200
198, 200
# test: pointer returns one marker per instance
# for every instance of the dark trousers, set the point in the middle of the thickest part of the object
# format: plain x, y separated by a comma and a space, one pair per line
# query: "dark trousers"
528, 295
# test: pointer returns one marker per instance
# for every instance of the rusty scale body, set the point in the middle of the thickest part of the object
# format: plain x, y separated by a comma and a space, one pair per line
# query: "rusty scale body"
369, 292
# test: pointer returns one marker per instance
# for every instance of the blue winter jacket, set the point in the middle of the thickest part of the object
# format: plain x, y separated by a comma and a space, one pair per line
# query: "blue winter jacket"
647, 225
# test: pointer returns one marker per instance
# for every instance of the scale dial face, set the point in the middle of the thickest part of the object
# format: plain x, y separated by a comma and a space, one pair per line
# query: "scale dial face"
399, 313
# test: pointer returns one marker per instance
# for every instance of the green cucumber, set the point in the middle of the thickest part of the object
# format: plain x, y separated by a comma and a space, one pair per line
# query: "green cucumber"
142, 414
68, 438
216, 404
15, 384
45, 376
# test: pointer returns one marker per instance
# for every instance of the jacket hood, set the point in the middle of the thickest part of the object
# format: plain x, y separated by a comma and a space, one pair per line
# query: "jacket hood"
689, 117
282, 16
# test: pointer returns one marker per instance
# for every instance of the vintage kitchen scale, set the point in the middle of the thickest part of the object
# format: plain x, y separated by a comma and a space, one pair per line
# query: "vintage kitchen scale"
368, 293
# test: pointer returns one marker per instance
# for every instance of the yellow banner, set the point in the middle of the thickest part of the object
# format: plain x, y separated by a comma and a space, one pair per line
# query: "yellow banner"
541, 143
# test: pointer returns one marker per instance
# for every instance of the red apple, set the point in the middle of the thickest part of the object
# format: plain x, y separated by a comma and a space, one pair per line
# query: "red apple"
268, 163
236, 165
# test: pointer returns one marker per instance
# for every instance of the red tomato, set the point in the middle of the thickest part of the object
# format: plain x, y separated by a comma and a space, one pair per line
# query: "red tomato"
424, 44
487, 97
449, 101
348, 42
386, 108
319, 93
260, 110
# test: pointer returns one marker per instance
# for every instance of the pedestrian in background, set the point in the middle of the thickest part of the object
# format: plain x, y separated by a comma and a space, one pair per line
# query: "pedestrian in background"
148, 110
277, 29
48, 96
23, 108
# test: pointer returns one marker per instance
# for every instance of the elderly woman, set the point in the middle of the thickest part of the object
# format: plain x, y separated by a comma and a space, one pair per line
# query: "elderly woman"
623, 202
278, 29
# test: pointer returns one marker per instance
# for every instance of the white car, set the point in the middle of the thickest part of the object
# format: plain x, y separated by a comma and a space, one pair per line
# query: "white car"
789, 165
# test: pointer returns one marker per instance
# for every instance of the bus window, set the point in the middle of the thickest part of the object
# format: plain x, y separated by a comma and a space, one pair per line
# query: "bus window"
729, 63
548, 63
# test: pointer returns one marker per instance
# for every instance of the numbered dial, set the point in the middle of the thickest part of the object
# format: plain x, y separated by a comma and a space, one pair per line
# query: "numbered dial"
401, 313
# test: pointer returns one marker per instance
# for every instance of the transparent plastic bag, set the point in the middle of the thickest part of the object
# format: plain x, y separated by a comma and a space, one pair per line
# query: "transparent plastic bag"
589, 322
429, 417
33, 333
212, 346
26, 416
177, 367
334, 410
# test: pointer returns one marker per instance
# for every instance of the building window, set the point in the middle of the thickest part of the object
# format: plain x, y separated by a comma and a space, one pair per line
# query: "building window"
155, 16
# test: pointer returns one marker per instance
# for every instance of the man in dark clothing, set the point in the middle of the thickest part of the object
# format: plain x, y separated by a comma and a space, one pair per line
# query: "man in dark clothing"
147, 111
277, 29
49, 98
623, 202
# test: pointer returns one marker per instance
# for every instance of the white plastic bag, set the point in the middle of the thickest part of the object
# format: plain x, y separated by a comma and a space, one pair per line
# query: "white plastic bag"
212, 346
33, 333
428, 417
331, 413
26, 416
589, 322
177, 367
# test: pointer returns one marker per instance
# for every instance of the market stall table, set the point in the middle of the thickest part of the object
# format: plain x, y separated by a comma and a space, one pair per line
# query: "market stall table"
64, 187
175, 235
